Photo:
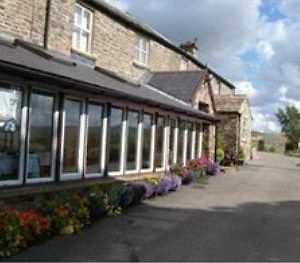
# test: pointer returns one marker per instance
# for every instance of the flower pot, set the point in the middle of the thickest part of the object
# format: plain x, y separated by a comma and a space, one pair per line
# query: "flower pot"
66, 231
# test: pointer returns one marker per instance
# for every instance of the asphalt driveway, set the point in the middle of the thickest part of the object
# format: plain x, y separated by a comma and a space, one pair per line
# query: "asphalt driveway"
249, 215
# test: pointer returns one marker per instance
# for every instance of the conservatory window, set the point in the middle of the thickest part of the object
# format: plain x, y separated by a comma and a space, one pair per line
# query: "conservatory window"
115, 139
146, 141
159, 149
172, 138
40, 158
180, 143
10, 133
72, 135
132, 140
94, 139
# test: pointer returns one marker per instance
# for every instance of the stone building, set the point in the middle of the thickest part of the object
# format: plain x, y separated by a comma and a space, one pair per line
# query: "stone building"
81, 99
235, 123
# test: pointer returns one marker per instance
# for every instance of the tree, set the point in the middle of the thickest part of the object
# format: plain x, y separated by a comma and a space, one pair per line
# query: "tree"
289, 120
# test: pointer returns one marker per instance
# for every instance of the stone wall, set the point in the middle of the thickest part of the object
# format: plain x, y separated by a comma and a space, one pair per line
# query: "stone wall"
24, 19
229, 129
112, 42
203, 94
220, 88
245, 128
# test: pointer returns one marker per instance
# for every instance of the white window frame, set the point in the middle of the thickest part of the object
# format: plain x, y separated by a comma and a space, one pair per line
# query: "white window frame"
81, 142
175, 142
185, 142
152, 146
83, 30
132, 171
103, 141
122, 144
193, 154
55, 120
200, 141
138, 47
163, 163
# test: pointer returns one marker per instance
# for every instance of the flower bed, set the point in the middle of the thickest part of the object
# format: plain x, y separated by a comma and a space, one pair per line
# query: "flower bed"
67, 213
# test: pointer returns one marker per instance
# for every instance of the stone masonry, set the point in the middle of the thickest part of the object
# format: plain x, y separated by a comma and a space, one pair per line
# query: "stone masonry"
112, 41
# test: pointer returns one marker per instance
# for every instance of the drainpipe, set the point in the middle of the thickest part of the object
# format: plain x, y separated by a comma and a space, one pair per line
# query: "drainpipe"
47, 24
216, 141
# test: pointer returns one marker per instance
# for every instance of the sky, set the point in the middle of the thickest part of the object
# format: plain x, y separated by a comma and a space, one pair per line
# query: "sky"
255, 44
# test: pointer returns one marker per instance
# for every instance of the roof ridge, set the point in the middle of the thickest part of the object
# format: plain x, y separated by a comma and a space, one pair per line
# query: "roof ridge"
131, 20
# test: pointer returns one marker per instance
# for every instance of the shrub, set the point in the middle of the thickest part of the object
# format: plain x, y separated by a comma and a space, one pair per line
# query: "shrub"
164, 185
18, 229
139, 190
97, 205
67, 210
213, 169
176, 168
11, 234
175, 182
220, 155
112, 200
127, 196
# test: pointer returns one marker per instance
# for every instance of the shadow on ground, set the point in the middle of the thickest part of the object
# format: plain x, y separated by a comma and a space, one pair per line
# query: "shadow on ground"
248, 232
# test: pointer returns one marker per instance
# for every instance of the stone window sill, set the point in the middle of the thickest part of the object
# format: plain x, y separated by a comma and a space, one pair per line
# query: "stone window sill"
84, 54
140, 65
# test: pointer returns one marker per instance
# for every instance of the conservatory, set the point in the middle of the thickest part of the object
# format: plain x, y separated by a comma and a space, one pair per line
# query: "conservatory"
61, 120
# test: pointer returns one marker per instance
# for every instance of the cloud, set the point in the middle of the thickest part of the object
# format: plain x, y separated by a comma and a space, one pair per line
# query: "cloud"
265, 49
264, 122
246, 87
227, 29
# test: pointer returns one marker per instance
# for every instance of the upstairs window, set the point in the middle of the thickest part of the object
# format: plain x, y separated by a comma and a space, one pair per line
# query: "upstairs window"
183, 65
203, 107
141, 54
82, 30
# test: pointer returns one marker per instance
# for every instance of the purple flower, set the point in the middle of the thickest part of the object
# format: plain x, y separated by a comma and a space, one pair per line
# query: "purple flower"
175, 182
164, 185
150, 190
213, 169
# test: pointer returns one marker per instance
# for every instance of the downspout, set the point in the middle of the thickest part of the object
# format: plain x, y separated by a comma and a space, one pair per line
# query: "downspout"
216, 140
47, 24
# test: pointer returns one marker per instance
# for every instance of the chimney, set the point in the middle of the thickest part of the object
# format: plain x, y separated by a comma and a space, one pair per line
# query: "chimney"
190, 47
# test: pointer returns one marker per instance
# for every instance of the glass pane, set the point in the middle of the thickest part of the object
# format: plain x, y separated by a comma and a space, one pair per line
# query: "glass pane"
159, 142
189, 141
76, 38
77, 16
85, 42
94, 134
115, 135
205, 142
147, 132
196, 146
10, 128
86, 20
181, 130
40, 146
172, 140
72, 133
132, 137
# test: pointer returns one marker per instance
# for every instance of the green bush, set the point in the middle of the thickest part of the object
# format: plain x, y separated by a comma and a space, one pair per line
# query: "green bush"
220, 155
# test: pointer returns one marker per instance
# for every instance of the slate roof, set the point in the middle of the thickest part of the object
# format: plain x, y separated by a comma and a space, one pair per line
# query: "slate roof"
132, 22
180, 84
229, 103
21, 57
